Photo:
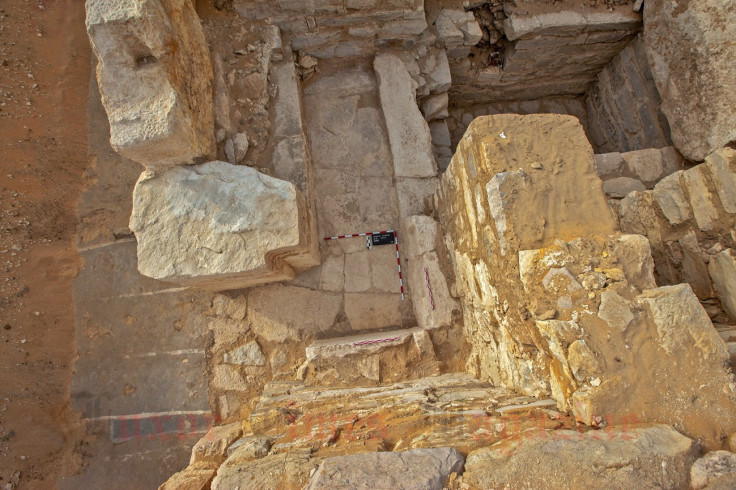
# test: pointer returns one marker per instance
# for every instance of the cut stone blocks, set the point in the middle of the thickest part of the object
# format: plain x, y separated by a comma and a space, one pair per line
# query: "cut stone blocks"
408, 132
155, 77
220, 226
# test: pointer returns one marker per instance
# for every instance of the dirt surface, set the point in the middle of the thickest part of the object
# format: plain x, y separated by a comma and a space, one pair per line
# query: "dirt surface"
44, 79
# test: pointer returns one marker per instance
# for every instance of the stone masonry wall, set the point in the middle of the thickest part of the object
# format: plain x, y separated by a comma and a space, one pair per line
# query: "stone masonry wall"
557, 301
624, 105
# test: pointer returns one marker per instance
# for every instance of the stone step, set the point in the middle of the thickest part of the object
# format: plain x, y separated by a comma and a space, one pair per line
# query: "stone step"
428, 412
370, 359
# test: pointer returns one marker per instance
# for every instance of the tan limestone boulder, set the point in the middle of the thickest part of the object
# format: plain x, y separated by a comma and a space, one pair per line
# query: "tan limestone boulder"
155, 78
220, 226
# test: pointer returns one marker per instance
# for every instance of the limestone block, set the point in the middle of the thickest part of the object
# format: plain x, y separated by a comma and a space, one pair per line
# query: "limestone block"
722, 167
621, 186
656, 456
422, 233
408, 133
701, 199
722, 269
155, 77
444, 304
435, 68
367, 311
415, 195
680, 43
415, 468
440, 133
711, 467
213, 446
357, 272
435, 106
582, 361
227, 378
283, 470
220, 226
671, 199
608, 163
280, 313
332, 275
682, 324
647, 165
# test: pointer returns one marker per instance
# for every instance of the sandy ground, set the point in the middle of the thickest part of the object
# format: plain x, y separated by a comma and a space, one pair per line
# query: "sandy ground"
44, 79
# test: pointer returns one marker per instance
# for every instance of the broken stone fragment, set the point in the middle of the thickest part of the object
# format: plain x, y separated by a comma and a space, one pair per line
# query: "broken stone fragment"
671, 199
220, 226
620, 186
213, 446
615, 310
249, 354
155, 78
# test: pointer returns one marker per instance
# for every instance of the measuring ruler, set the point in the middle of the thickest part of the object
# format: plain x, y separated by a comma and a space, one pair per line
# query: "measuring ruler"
384, 237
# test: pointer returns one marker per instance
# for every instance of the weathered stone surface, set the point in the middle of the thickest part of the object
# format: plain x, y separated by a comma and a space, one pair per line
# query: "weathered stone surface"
722, 166
155, 76
647, 165
285, 470
494, 203
416, 468
213, 446
367, 311
278, 313
682, 323
695, 85
671, 199
621, 457
249, 448
621, 186
701, 198
408, 133
615, 310
220, 226
227, 378
249, 354
722, 269
369, 359
195, 477
608, 163
712, 467
422, 235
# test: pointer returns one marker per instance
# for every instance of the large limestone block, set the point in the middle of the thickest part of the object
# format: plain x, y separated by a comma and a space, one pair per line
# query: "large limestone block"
408, 132
155, 77
220, 226
722, 269
691, 47
619, 457
416, 468
671, 198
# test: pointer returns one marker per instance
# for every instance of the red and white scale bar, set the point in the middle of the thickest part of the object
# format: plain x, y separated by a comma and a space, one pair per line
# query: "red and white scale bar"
429, 288
396, 242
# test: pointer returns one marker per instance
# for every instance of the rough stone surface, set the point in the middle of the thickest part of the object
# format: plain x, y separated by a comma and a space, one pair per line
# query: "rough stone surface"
671, 199
712, 467
621, 186
619, 457
416, 468
220, 226
699, 104
408, 133
194, 477
248, 355
213, 446
285, 470
155, 76
493, 203
722, 269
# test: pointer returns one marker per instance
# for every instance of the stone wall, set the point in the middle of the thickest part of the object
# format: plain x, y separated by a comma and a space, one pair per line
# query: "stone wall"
624, 105
338, 28
636, 170
551, 51
557, 301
